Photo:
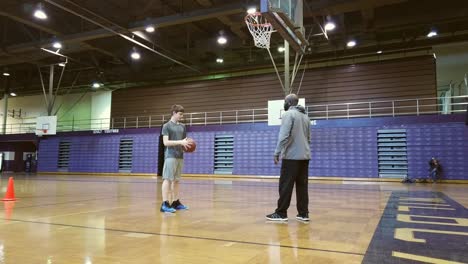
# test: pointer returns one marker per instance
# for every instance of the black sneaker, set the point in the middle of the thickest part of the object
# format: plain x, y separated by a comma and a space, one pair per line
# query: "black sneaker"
178, 205
303, 217
276, 217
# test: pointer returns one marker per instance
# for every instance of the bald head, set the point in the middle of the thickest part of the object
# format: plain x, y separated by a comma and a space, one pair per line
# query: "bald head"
291, 99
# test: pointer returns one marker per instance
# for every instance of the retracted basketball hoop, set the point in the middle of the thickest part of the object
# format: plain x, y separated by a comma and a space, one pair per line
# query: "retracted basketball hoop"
260, 29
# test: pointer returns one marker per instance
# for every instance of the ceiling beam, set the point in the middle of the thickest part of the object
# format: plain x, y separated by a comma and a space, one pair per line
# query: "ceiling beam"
334, 7
188, 17
205, 3
235, 27
368, 15
165, 21
113, 28
36, 44
188, 32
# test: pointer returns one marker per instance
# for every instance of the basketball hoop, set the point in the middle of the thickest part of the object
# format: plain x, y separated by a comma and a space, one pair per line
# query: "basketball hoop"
260, 29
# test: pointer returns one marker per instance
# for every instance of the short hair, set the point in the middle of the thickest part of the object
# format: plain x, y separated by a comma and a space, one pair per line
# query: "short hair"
176, 109
292, 99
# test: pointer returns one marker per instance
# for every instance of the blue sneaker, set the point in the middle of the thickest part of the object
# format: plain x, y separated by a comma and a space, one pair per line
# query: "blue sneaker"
165, 208
178, 205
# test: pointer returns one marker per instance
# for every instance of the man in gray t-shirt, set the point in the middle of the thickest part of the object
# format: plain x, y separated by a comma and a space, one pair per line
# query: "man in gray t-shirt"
175, 140
175, 131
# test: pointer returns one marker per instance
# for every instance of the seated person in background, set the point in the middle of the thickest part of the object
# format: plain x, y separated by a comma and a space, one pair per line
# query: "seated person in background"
435, 169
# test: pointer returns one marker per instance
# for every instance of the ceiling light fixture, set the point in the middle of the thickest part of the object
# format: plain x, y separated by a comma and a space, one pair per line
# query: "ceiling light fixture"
39, 13
431, 34
222, 40
351, 43
251, 10
135, 55
57, 45
329, 26
150, 29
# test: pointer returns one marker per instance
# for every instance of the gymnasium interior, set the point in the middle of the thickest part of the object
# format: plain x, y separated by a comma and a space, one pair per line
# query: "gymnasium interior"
88, 85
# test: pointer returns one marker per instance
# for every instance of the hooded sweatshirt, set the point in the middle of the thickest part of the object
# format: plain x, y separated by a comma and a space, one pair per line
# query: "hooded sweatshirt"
294, 135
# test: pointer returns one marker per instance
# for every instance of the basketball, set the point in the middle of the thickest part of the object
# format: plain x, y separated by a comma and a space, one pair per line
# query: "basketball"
192, 146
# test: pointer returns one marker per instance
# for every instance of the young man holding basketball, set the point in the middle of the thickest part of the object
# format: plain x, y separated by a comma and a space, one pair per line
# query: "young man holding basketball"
175, 140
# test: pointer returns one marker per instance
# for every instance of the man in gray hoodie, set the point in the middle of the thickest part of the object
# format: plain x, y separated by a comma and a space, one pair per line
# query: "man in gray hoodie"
294, 149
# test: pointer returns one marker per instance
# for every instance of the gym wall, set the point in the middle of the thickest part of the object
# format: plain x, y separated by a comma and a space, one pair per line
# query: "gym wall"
407, 78
339, 148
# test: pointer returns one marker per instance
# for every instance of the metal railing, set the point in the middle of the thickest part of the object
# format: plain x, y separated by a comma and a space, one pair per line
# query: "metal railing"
197, 118
449, 105
421, 106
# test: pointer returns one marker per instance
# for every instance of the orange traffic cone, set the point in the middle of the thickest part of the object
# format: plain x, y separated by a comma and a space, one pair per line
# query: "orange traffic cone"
10, 193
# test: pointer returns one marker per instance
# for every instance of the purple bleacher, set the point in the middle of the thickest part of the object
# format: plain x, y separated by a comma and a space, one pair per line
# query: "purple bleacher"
200, 161
47, 155
145, 153
339, 148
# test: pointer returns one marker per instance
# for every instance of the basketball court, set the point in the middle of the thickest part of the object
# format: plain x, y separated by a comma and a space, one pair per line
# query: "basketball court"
76, 219
85, 216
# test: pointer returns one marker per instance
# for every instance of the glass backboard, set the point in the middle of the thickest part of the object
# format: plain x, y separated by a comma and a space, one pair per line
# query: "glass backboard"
287, 17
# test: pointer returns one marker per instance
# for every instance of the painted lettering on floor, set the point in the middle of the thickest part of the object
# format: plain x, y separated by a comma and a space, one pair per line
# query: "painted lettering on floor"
420, 226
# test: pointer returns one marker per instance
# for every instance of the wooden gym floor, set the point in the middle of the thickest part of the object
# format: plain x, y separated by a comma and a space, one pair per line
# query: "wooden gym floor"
86, 219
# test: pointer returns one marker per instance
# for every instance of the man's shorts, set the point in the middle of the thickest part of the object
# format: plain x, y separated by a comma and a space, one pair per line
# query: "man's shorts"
172, 169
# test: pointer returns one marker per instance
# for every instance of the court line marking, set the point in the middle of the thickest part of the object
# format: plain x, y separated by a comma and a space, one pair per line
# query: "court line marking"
183, 236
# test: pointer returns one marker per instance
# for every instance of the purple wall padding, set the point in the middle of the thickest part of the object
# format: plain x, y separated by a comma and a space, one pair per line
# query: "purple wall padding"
100, 152
145, 153
200, 161
448, 142
340, 148
344, 152
94, 153
253, 151
47, 155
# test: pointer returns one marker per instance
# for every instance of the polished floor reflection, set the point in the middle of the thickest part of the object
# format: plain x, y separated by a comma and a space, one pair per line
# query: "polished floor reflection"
83, 219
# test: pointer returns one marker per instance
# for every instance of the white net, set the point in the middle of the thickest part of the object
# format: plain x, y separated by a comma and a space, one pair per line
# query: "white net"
260, 29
